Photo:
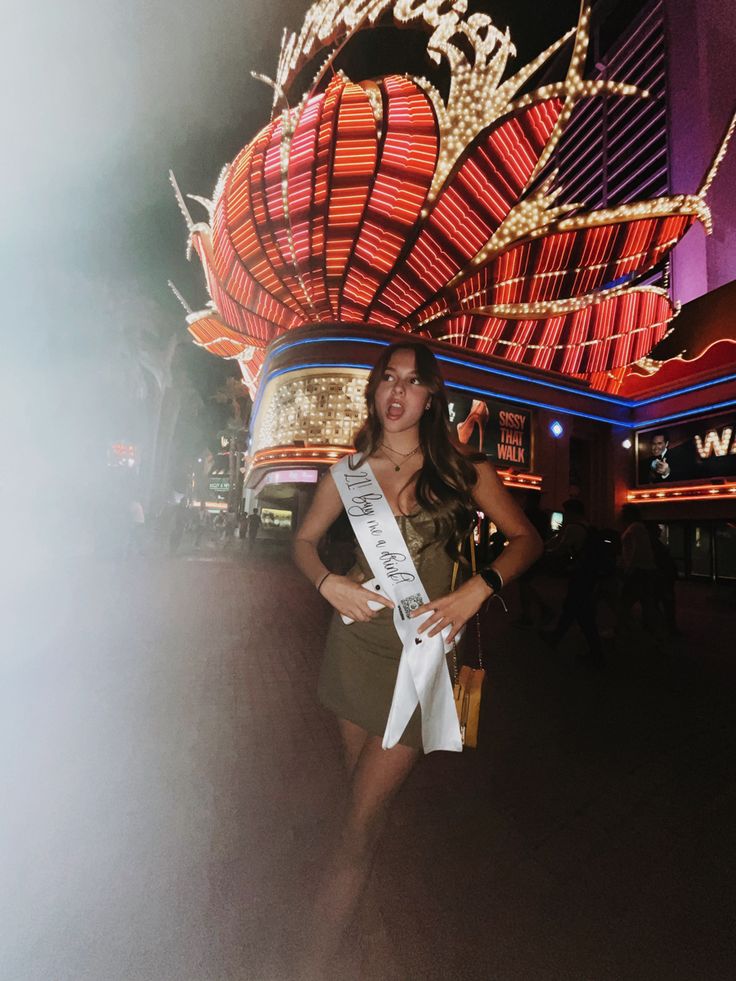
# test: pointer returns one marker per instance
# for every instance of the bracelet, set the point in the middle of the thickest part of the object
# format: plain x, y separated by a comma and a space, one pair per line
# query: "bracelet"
319, 586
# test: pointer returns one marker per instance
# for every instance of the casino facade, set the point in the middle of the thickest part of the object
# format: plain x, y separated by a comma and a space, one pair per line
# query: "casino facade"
538, 229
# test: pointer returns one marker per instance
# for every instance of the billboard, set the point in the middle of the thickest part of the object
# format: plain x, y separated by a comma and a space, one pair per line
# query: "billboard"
697, 449
219, 484
501, 430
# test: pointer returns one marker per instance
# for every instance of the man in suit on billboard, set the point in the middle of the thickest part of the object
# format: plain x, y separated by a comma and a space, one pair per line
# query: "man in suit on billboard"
660, 465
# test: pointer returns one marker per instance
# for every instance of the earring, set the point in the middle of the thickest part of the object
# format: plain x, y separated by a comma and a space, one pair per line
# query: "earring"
428, 406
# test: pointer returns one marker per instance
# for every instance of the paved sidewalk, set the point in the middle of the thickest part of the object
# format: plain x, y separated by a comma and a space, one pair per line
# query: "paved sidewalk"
172, 783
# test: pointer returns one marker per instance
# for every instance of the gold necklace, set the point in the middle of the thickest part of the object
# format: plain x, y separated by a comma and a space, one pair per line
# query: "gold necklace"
406, 456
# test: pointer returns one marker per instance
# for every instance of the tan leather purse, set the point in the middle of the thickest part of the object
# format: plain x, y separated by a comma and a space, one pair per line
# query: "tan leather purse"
468, 682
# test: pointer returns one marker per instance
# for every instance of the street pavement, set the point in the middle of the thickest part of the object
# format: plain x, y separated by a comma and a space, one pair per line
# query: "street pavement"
170, 784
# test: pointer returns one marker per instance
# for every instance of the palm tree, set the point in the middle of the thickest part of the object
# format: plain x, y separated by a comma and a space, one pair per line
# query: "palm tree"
234, 393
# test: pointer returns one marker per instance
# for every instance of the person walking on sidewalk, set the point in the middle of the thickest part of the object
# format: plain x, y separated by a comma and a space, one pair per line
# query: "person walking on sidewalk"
179, 523
433, 488
136, 529
200, 524
530, 598
639, 570
253, 527
575, 550
665, 579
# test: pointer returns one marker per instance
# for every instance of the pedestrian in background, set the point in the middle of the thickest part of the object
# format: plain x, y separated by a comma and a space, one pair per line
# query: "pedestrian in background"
136, 528
639, 570
231, 526
200, 528
534, 609
254, 526
575, 550
665, 578
178, 526
220, 526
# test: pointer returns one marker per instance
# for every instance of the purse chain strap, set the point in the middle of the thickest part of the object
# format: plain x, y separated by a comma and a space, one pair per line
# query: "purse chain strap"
473, 569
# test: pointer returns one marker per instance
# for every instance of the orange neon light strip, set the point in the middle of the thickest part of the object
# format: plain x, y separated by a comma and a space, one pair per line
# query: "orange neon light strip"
329, 454
699, 493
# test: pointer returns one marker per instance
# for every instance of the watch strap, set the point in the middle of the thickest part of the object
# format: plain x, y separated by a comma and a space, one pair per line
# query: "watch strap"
491, 578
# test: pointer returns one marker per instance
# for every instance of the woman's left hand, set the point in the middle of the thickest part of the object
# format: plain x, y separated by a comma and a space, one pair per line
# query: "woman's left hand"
455, 608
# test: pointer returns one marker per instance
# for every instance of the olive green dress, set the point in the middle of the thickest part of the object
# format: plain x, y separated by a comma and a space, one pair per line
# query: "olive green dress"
362, 659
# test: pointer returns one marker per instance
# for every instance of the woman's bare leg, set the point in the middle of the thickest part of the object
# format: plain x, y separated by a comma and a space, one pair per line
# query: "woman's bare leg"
353, 741
377, 776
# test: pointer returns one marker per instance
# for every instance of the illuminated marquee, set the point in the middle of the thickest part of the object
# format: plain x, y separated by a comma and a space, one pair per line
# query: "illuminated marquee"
311, 407
384, 203
715, 443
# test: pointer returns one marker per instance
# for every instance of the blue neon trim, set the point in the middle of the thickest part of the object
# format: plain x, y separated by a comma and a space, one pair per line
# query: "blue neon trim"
684, 391
648, 423
456, 387
316, 364
537, 405
622, 403
515, 376
342, 337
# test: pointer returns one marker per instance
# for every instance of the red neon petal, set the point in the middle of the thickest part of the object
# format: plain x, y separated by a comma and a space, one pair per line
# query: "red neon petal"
599, 337
403, 177
572, 263
243, 214
487, 182
242, 319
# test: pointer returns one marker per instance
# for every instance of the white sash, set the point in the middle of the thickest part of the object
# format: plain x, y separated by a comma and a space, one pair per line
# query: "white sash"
423, 677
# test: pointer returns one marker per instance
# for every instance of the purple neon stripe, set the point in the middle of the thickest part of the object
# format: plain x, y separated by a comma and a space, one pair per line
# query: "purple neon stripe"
582, 111
641, 52
575, 190
656, 187
654, 18
656, 119
631, 178
636, 153
625, 110
584, 161
630, 196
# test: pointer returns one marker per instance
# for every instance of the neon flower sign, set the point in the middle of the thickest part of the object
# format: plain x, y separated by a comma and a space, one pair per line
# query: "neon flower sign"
380, 202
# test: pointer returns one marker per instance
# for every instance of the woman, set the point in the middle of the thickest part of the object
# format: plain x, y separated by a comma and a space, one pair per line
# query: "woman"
434, 489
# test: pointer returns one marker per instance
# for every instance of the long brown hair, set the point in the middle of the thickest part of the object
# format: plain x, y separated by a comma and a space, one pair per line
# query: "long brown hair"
445, 481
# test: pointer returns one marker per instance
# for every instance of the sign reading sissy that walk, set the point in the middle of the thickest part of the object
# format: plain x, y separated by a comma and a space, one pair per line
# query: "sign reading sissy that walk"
501, 430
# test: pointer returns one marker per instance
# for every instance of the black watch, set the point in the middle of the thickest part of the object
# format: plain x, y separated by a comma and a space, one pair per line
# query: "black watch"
491, 578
